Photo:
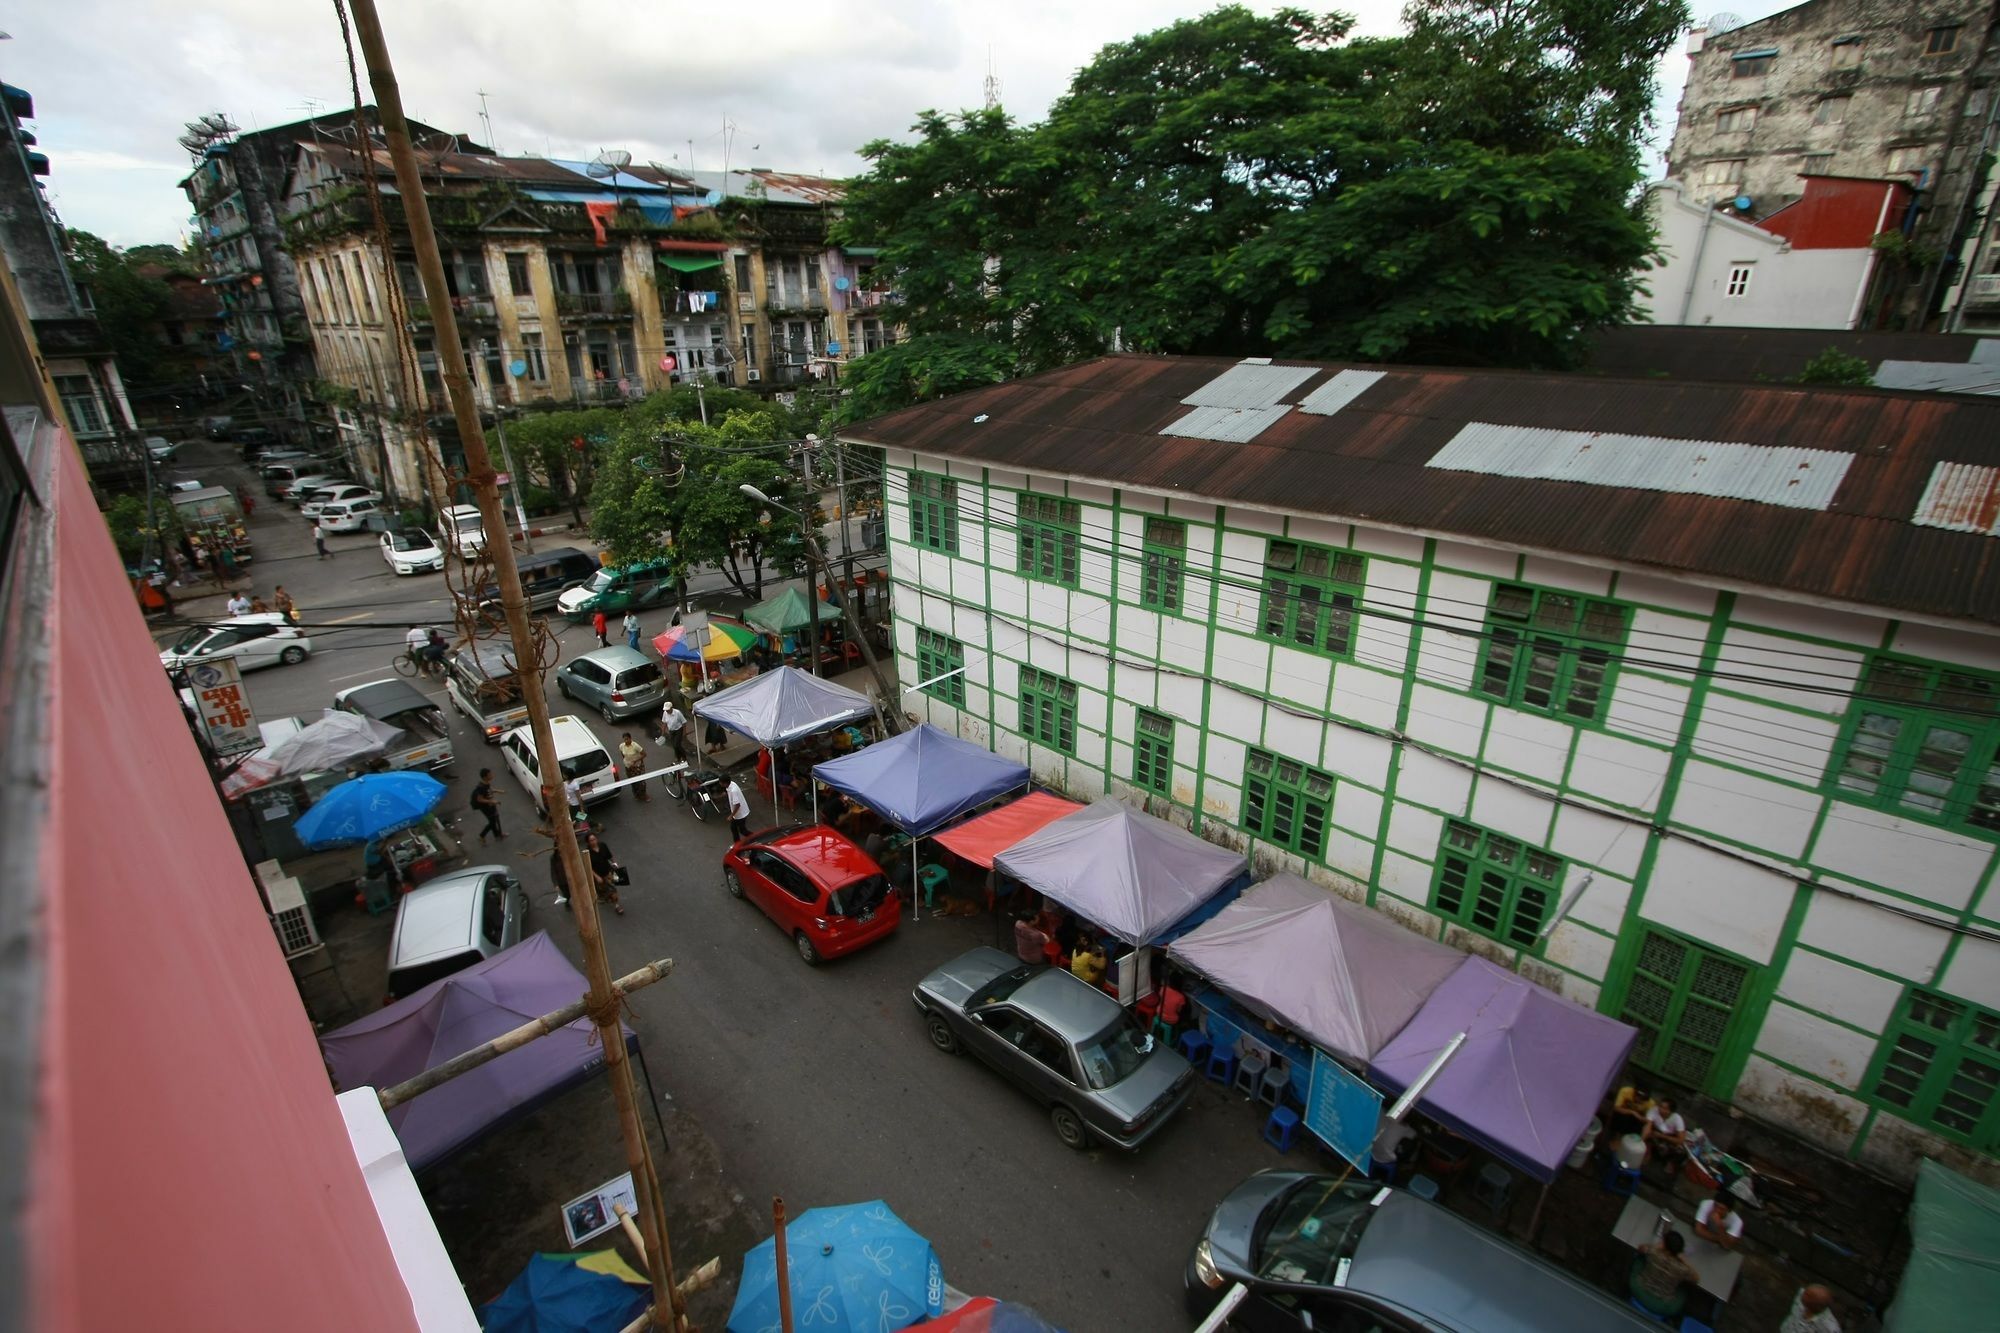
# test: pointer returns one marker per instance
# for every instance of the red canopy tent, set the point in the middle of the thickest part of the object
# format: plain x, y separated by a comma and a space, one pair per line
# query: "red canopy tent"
980, 840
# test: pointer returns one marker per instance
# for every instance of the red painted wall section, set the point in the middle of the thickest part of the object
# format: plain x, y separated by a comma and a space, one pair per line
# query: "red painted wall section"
190, 1168
1839, 213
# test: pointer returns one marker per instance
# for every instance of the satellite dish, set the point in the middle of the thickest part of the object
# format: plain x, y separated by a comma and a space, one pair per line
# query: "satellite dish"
1743, 203
609, 163
517, 368
1724, 22
841, 284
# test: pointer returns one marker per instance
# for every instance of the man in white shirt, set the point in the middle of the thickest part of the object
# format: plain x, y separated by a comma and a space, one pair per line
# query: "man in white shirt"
1715, 1221
418, 640
1665, 1132
675, 721
239, 605
739, 812
1811, 1312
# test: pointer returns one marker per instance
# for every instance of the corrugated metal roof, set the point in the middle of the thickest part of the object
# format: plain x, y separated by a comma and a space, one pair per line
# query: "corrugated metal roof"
1104, 419
1338, 392
1226, 424
1250, 384
1961, 498
1795, 478
1759, 356
1940, 376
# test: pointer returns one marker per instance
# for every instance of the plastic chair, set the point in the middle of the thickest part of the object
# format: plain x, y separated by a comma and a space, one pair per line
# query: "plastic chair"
1282, 1129
1620, 1181
1271, 1091
933, 877
1424, 1187
1163, 1030
1494, 1187
1249, 1075
1221, 1066
1194, 1046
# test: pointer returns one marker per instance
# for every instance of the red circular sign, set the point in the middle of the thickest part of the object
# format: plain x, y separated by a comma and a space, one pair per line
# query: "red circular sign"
668, 362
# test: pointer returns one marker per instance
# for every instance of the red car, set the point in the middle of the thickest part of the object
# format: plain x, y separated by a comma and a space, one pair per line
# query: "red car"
827, 893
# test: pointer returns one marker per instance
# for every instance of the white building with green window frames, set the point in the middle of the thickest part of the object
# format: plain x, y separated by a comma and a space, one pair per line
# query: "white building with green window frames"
1699, 726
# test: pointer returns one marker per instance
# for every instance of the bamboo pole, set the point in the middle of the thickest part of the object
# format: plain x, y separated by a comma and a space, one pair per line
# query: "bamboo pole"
669, 1310
395, 1096
783, 1264
701, 1277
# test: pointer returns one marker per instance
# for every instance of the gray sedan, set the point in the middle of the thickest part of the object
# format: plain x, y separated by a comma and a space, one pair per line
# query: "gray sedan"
1068, 1044
618, 682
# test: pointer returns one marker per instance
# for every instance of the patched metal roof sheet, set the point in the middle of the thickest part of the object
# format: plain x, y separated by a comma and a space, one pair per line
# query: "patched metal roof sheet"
1338, 392
1250, 384
1961, 497
1226, 424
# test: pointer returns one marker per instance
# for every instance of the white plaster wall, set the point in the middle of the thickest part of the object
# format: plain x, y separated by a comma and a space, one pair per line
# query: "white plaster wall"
1792, 289
1868, 934
1839, 1055
1922, 860
1715, 898
1745, 809
1529, 743
1831, 987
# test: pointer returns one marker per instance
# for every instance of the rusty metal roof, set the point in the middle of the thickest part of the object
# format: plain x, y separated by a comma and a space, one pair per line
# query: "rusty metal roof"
1873, 535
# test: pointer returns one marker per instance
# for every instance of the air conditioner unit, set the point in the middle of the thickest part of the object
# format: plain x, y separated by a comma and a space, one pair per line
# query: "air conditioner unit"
756, 376
291, 916
746, 303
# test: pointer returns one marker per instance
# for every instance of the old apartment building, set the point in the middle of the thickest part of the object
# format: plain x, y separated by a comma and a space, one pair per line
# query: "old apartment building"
1846, 88
1699, 727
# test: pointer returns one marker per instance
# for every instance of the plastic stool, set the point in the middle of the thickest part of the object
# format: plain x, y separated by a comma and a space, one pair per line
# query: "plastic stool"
1383, 1169
1221, 1066
1164, 1030
1272, 1090
1194, 1046
1282, 1129
1424, 1187
1249, 1073
933, 877
1620, 1181
1494, 1186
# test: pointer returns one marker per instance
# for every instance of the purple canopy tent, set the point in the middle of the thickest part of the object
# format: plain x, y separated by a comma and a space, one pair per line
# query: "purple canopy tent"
1532, 1071
451, 1016
1345, 978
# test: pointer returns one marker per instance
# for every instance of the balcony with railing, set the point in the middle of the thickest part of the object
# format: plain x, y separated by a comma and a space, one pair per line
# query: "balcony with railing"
1985, 291
605, 391
788, 298
859, 299
480, 309
593, 305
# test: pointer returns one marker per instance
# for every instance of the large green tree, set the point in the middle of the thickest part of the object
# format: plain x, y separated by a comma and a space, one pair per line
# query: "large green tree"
1244, 183
129, 304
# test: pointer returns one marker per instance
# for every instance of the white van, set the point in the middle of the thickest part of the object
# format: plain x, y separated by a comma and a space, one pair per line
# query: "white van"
463, 529
579, 752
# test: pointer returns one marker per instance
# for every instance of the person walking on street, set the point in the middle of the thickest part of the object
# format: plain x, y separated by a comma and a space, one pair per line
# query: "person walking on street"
634, 755
487, 804
739, 812
239, 605
675, 721
1811, 1312
598, 626
604, 870
319, 539
283, 601
632, 630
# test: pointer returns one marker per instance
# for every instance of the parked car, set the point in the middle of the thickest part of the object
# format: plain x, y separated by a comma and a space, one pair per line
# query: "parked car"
822, 890
412, 551
1066, 1043
350, 515
301, 488
463, 528
279, 476
252, 438
259, 640
1320, 1252
426, 739
217, 427
615, 591
452, 922
577, 752
618, 682
322, 496
182, 485
160, 449
545, 576
481, 683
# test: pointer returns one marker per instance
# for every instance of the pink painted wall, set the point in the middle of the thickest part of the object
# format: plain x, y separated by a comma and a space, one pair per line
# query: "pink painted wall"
191, 1170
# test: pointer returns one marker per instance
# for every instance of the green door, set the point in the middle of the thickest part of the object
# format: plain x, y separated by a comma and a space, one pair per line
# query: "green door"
1685, 1000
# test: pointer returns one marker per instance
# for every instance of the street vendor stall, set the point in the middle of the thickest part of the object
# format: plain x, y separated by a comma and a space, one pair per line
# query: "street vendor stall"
1952, 1282
920, 781
776, 708
1530, 1074
1131, 873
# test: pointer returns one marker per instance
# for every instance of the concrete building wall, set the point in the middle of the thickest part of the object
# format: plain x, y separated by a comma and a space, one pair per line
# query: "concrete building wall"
1717, 269
1724, 890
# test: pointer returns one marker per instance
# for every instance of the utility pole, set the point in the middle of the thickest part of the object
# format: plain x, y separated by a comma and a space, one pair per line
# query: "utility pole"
604, 1001
806, 508
507, 456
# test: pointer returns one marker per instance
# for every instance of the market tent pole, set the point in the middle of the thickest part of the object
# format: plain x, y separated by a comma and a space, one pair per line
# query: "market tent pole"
780, 1258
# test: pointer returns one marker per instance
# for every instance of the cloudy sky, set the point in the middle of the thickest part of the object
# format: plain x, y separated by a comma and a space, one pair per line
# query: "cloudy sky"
804, 84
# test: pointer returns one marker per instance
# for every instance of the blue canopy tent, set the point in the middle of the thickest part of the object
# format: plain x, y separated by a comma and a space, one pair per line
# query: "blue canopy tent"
921, 780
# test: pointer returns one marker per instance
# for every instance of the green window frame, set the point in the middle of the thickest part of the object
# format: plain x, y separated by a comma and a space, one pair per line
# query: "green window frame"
934, 512
1048, 538
1923, 740
1939, 1065
1312, 596
1153, 751
937, 655
1048, 709
1162, 562
1494, 885
1551, 652
1287, 803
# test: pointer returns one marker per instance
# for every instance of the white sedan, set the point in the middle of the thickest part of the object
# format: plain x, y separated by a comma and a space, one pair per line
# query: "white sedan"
259, 640
335, 494
350, 515
411, 551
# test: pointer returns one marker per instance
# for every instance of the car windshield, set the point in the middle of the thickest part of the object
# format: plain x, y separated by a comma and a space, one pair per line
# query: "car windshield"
1116, 1053
413, 541
590, 761
1304, 1236
599, 581
858, 898
1000, 987
638, 675
466, 522
186, 642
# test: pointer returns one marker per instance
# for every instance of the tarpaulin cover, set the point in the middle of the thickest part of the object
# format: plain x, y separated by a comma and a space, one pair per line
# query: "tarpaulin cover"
569, 1293
1127, 871
691, 263
923, 779
980, 840
1952, 1281
1530, 1075
449, 1017
788, 609
1345, 978
983, 1314
778, 707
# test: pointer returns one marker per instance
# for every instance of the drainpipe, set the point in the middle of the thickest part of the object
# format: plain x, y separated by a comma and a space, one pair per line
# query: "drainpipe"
1694, 269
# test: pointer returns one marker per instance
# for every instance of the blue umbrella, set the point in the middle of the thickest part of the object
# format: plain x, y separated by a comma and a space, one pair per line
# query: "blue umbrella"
363, 809
557, 1293
853, 1267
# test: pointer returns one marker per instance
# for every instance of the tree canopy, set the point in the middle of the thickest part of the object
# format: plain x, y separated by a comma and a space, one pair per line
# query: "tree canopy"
129, 304
1265, 184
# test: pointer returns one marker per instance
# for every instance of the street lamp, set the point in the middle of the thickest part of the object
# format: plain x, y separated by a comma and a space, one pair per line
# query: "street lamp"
891, 707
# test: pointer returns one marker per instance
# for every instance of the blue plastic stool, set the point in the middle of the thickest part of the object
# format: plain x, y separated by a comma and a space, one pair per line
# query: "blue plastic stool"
1424, 1187
1194, 1046
1382, 1169
1221, 1066
933, 877
1620, 1181
1282, 1129
1633, 1301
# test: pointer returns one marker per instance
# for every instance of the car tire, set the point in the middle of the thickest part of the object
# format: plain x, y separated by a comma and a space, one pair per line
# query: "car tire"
730, 882
292, 656
940, 1032
1069, 1127
562, 688
803, 943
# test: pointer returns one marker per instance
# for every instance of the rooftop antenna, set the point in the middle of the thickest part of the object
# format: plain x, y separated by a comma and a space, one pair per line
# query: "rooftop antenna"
992, 83
1724, 22
487, 121
606, 166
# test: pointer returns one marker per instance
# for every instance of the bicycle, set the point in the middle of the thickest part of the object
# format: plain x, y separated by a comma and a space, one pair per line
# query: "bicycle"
704, 793
419, 662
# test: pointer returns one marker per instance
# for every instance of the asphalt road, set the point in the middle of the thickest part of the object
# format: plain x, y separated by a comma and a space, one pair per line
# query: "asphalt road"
814, 1083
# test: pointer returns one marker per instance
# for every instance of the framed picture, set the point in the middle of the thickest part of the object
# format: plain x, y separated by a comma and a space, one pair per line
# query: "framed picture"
595, 1213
